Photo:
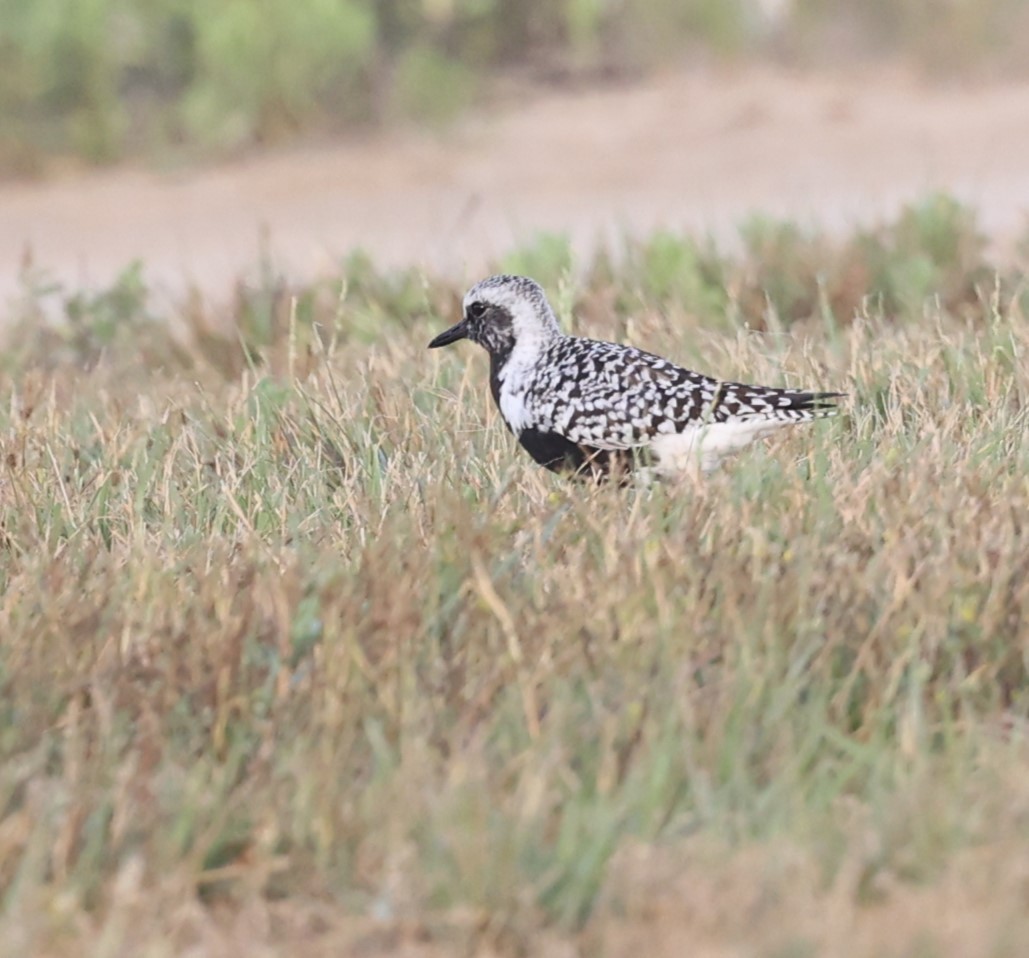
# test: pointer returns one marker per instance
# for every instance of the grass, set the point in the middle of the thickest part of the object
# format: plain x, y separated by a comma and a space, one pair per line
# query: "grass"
300, 655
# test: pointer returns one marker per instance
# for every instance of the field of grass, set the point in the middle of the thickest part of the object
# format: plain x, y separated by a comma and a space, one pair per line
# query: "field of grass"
299, 654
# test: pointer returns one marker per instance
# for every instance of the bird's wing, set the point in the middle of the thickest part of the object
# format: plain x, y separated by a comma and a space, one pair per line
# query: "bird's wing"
618, 397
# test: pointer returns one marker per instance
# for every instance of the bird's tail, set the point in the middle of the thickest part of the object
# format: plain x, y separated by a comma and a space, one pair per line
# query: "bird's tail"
807, 405
767, 404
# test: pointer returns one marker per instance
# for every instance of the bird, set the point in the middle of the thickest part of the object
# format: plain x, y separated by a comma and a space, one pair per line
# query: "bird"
599, 410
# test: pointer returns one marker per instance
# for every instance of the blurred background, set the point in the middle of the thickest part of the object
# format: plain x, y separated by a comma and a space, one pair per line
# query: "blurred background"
200, 138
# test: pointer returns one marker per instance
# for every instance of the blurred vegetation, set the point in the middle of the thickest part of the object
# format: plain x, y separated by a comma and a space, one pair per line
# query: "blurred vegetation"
932, 256
104, 78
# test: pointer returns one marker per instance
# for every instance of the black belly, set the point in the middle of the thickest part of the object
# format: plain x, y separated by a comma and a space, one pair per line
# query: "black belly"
564, 456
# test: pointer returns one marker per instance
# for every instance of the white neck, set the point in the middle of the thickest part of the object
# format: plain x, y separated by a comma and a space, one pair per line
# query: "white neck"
526, 352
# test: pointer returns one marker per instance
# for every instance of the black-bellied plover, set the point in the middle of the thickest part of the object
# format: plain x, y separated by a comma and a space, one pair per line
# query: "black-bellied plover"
593, 408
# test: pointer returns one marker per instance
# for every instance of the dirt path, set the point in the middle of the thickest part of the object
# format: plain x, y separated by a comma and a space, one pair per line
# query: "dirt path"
697, 150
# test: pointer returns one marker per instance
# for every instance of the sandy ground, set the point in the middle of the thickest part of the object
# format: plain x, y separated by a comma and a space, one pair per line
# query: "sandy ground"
695, 150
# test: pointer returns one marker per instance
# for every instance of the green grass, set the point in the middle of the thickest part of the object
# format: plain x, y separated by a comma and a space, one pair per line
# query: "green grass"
298, 653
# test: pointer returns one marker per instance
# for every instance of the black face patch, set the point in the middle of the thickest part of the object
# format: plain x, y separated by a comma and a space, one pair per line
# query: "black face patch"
490, 326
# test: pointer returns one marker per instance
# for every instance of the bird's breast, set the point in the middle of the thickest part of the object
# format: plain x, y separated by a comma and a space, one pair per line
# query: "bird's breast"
514, 407
510, 382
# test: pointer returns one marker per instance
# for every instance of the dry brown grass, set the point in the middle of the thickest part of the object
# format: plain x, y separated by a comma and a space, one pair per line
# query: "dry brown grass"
304, 657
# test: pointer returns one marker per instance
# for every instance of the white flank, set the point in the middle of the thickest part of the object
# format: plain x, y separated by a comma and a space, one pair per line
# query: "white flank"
707, 445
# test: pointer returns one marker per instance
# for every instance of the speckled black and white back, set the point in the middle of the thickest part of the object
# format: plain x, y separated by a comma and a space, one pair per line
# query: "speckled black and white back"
587, 406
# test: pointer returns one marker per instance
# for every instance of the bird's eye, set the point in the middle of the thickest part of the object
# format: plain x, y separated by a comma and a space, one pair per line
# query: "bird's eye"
477, 310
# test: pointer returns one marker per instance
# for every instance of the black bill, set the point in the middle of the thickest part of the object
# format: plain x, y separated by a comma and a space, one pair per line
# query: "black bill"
448, 336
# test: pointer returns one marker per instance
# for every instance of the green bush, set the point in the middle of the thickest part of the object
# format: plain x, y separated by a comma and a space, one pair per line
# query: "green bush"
264, 68
101, 78
431, 86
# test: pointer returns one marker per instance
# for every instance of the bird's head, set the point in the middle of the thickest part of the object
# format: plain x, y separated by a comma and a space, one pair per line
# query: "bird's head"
500, 312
